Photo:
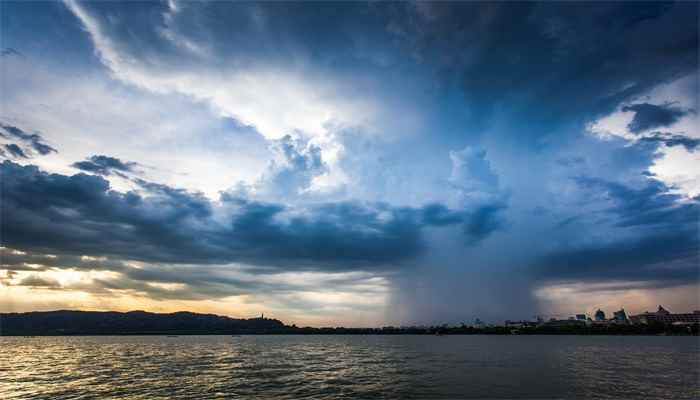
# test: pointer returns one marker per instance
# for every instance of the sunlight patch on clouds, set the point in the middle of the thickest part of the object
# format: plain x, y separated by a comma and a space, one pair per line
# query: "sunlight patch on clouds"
275, 101
175, 141
66, 278
298, 297
680, 169
167, 286
614, 124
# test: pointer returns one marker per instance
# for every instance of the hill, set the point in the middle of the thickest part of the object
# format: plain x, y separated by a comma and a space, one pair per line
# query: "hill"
66, 322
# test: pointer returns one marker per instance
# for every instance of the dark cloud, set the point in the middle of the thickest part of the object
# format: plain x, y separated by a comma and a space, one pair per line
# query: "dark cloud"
349, 232
671, 140
476, 225
649, 207
660, 259
550, 64
300, 31
105, 165
650, 116
15, 151
484, 221
33, 140
80, 215
43, 148
38, 281
192, 203
439, 215
9, 51
23, 261
655, 238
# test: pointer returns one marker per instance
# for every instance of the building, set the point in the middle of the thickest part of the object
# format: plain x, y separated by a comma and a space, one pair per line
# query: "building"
520, 324
599, 315
620, 317
580, 317
559, 323
665, 317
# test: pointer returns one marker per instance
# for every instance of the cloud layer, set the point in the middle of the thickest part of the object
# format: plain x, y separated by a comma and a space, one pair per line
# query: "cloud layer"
81, 215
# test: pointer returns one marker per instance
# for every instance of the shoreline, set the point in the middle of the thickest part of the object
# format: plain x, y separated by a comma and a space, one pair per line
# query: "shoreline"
110, 323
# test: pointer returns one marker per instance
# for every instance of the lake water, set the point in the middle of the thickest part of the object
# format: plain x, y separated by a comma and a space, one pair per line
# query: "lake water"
200, 367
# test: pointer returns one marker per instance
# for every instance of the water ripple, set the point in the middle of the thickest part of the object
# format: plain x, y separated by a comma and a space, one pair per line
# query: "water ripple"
344, 367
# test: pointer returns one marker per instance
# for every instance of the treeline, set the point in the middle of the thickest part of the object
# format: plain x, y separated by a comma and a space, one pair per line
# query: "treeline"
133, 322
655, 329
187, 323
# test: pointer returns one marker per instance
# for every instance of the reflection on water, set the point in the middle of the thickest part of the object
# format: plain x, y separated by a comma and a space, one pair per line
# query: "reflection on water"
196, 367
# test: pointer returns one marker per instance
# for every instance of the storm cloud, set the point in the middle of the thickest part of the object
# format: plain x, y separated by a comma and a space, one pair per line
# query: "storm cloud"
525, 52
81, 215
419, 162
657, 242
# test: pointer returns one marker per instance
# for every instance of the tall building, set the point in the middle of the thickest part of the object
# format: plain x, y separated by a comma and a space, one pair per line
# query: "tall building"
665, 317
662, 311
620, 316
599, 315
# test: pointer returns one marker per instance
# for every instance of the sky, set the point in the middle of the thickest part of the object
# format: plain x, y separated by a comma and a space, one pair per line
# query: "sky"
350, 164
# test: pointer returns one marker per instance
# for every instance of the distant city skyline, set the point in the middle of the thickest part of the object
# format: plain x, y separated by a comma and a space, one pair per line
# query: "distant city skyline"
349, 163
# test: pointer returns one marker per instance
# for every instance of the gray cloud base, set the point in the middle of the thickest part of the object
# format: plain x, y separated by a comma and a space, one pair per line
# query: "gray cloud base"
79, 214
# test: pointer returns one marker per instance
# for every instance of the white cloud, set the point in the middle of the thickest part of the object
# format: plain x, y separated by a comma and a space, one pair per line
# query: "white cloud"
677, 167
274, 99
178, 142
473, 177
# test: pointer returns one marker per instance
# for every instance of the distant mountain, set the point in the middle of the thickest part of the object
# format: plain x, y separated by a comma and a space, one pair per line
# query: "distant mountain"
134, 322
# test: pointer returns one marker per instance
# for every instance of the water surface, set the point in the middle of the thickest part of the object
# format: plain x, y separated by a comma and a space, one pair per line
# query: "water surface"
197, 367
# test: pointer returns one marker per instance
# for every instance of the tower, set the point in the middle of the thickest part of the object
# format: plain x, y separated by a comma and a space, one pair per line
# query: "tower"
600, 315
620, 316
